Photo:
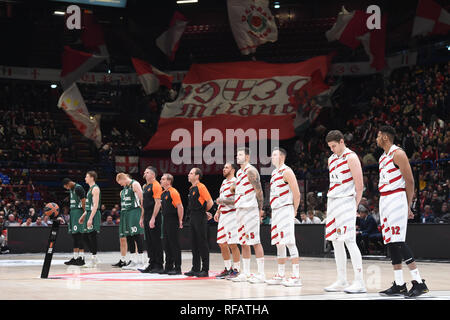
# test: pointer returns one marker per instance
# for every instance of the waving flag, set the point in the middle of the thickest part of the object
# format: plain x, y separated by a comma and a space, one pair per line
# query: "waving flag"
150, 77
244, 96
168, 41
252, 24
92, 35
75, 63
351, 29
73, 104
430, 18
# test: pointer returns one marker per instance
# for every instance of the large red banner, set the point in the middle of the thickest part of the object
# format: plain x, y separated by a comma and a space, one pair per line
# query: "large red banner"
240, 96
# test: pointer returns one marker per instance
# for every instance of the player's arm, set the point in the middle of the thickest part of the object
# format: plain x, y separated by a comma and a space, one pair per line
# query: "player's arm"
401, 160
204, 193
355, 169
157, 191
290, 178
253, 178
95, 200
82, 195
180, 211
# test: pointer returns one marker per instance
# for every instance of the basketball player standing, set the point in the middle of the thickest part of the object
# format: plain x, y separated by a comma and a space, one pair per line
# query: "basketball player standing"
396, 186
344, 195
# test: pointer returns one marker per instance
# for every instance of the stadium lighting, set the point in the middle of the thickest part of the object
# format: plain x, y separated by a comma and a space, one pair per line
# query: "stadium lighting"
53, 86
186, 1
448, 48
142, 121
276, 5
59, 13
109, 70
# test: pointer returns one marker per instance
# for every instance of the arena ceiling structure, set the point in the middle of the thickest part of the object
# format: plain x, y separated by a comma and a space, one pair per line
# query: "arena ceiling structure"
34, 32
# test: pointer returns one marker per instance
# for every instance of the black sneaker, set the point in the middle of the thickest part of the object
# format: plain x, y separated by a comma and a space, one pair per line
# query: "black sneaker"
71, 262
79, 262
191, 273
165, 271
146, 270
119, 264
156, 270
202, 274
395, 290
224, 273
417, 289
174, 272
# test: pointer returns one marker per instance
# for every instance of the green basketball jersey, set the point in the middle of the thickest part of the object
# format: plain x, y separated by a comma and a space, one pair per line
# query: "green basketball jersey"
89, 199
128, 199
75, 201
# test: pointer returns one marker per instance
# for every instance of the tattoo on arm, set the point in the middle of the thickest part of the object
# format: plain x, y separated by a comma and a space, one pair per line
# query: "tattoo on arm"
253, 177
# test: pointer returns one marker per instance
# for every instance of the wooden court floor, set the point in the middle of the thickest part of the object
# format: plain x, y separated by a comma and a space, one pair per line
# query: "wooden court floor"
20, 280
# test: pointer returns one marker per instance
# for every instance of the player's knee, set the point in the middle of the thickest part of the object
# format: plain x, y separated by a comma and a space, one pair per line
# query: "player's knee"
406, 253
395, 251
293, 251
281, 251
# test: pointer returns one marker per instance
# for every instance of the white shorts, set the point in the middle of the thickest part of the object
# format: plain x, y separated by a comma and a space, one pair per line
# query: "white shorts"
394, 217
283, 228
341, 219
227, 228
248, 225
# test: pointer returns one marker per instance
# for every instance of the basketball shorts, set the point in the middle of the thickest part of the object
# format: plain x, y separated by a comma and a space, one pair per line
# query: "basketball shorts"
340, 223
132, 226
95, 222
248, 225
283, 228
227, 230
74, 226
394, 217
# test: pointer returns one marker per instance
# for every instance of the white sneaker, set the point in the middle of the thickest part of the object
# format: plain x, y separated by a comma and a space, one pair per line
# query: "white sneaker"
242, 277
276, 279
356, 287
292, 282
131, 266
257, 278
339, 285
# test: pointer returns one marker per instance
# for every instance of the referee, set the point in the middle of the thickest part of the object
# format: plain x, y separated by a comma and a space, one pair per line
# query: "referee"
151, 221
172, 221
200, 201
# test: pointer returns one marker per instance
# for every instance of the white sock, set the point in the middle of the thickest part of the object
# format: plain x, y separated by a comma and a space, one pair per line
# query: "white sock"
75, 255
416, 275
134, 257
356, 258
296, 270
281, 269
260, 264
341, 260
141, 258
246, 263
227, 264
398, 275
237, 265
123, 258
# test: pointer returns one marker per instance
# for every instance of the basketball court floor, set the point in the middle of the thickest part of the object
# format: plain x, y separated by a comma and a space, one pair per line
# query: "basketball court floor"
20, 280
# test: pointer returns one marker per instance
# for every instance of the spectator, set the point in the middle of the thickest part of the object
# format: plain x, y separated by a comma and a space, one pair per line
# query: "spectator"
11, 221
39, 223
66, 214
436, 204
312, 219
27, 223
303, 218
427, 216
368, 230
109, 221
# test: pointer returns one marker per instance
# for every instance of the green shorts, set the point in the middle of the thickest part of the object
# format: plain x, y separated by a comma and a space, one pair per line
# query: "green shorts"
95, 222
74, 225
132, 226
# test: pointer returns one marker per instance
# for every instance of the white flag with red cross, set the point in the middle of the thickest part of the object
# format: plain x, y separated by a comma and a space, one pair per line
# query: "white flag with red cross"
127, 164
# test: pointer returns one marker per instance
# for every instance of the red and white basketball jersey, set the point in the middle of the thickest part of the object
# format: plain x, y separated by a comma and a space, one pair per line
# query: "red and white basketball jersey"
225, 194
280, 192
390, 176
245, 195
341, 180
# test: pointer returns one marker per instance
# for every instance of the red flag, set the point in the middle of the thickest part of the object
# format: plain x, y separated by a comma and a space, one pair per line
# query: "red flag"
169, 40
92, 35
150, 77
75, 64
430, 18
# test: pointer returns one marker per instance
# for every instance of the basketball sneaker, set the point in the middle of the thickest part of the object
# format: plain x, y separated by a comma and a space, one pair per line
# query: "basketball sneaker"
395, 290
257, 278
119, 264
79, 262
276, 279
223, 274
417, 289
71, 262
292, 282
337, 286
92, 263
131, 266
242, 277
356, 287
191, 273
233, 274
202, 274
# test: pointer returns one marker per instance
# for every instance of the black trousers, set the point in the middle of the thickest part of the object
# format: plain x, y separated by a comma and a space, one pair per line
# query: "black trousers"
199, 242
171, 244
154, 242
